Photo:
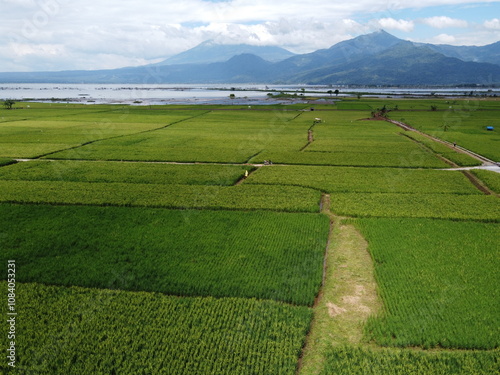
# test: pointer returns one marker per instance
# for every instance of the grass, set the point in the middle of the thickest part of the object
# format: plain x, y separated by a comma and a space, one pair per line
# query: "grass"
5, 161
192, 253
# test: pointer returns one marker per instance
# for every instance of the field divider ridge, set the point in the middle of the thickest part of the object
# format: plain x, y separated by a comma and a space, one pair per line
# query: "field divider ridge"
480, 185
121, 136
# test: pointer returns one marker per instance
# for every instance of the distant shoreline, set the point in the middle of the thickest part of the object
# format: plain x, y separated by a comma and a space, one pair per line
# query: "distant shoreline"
226, 94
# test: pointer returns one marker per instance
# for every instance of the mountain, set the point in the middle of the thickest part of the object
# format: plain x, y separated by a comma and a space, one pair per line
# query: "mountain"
210, 51
374, 59
488, 54
404, 64
340, 53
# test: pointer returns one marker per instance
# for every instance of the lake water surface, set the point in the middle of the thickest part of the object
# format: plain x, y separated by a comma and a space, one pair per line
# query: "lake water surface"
149, 94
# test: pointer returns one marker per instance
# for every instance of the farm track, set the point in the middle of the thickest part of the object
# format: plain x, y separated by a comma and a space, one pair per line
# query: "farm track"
348, 293
481, 158
471, 177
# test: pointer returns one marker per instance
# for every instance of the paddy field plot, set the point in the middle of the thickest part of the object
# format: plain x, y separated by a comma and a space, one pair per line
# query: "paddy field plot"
90, 331
222, 136
356, 360
490, 178
263, 255
455, 156
437, 206
28, 138
438, 282
142, 247
175, 196
134, 173
365, 180
464, 124
342, 139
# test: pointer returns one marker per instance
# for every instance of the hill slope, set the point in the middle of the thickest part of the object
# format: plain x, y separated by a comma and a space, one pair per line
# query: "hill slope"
378, 58
210, 51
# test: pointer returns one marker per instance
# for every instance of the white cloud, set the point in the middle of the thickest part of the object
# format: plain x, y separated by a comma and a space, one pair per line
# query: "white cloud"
393, 24
493, 24
444, 39
89, 35
441, 22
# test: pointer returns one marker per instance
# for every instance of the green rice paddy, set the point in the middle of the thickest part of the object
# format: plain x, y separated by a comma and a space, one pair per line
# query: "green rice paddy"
160, 240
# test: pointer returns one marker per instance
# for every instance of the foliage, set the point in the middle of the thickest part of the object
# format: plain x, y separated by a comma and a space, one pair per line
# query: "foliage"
88, 331
359, 361
8, 103
370, 180
218, 253
438, 280
439, 206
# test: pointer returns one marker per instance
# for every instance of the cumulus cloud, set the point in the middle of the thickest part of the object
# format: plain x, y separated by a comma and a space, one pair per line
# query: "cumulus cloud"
441, 22
66, 34
393, 24
493, 24
444, 39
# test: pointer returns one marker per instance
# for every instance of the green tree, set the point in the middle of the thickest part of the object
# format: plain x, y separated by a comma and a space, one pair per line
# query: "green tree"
8, 103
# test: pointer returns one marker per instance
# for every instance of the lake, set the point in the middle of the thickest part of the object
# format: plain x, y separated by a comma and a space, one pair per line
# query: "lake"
150, 94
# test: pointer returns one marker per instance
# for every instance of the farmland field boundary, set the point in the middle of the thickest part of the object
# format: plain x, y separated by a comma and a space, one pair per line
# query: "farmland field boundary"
450, 145
122, 135
348, 294
217, 163
244, 177
480, 185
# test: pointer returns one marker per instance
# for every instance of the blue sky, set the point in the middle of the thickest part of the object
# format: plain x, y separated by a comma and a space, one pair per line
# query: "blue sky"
67, 34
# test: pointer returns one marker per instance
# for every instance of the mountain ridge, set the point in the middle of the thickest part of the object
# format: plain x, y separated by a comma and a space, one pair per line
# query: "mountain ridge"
210, 51
378, 58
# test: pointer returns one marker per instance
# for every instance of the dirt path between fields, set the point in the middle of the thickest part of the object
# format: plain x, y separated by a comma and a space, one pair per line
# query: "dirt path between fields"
455, 147
348, 295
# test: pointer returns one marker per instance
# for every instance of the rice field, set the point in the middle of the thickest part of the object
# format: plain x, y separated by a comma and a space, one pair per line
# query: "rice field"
88, 331
437, 279
177, 252
159, 240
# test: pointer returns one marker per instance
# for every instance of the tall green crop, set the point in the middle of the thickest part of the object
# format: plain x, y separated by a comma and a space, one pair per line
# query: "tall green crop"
89, 331
438, 280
